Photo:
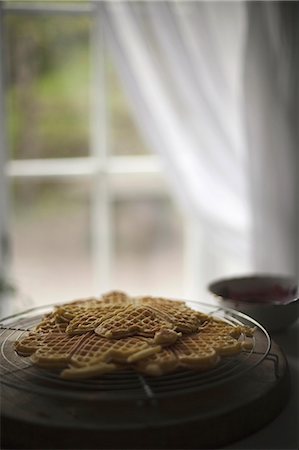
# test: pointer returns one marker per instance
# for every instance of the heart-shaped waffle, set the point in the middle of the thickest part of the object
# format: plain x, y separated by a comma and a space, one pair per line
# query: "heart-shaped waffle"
56, 349
67, 312
193, 352
133, 320
28, 344
96, 348
116, 298
184, 319
51, 324
91, 318
99, 355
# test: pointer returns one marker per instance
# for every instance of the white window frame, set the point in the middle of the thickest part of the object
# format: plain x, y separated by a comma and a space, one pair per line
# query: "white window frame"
100, 165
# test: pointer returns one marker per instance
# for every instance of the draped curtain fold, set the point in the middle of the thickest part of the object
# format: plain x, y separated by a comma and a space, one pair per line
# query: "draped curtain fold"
212, 88
271, 78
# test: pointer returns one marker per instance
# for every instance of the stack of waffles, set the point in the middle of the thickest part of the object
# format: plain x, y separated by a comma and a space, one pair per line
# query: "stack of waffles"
90, 337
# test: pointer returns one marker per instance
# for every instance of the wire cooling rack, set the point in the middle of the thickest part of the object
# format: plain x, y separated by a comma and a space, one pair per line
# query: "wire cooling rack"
19, 373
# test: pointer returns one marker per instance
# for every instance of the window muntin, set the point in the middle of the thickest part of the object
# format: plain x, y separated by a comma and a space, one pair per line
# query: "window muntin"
48, 85
51, 240
125, 137
148, 250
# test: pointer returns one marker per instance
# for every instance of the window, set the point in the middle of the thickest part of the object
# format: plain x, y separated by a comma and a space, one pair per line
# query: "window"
90, 208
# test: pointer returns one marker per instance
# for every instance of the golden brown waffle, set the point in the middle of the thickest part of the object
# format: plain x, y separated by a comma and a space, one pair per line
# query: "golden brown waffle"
190, 352
193, 352
68, 312
219, 327
160, 363
51, 324
133, 320
152, 335
85, 372
96, 348
166, 337
197, 351
28, 345
83, 311
91, 318
224, 337
98, 355
116, 298
184, 319
112, 298
223, 345
156, 301
56, 349
88, 302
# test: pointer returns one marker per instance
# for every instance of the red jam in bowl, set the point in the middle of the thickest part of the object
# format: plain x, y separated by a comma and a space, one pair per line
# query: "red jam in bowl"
256, 289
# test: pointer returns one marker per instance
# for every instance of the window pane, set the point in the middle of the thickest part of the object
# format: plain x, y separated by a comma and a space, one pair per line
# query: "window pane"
51, 241
148, 246
125, 138
48, 85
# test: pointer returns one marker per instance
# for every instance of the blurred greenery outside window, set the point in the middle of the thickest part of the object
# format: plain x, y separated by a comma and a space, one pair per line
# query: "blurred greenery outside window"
55, 220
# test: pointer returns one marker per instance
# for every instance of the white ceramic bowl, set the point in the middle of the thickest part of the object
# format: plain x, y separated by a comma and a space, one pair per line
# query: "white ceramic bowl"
272, 300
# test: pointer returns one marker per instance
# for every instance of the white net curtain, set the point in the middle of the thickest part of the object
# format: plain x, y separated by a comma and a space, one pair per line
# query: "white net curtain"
213, 88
